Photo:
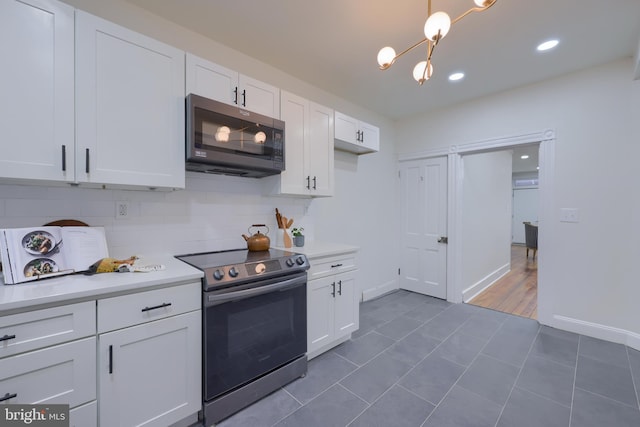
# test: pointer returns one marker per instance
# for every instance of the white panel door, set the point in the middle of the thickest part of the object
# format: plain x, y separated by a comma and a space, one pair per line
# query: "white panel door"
150, 374
259, 97
424, 223
295, 113
130, 107
525, 208
347, 301
211, 80
36, 101
320, 149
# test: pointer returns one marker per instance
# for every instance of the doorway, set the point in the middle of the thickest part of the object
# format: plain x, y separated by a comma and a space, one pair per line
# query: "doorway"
455, 285
511, 286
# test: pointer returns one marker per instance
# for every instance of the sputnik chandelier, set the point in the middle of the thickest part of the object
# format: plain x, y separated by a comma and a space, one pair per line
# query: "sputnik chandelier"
435, 29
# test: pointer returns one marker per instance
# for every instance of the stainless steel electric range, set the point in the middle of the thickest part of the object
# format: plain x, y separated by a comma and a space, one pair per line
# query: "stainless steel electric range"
254, 325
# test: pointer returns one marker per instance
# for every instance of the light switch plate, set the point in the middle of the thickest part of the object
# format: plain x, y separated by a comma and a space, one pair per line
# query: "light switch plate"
569, 215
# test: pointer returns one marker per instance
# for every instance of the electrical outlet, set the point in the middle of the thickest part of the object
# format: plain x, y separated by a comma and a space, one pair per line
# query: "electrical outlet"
122, 210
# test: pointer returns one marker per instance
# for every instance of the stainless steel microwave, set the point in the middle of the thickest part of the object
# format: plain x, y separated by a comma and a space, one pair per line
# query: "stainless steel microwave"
224, 139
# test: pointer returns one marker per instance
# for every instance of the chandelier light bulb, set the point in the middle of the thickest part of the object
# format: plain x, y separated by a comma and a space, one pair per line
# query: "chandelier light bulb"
386, 57
438, 22
481, 3
418, 72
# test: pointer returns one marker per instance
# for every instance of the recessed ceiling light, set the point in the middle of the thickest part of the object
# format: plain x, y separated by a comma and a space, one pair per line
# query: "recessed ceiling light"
549, 44
456, 76
524, 156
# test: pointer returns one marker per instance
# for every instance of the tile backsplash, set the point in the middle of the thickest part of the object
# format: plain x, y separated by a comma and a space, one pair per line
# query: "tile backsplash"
210, 214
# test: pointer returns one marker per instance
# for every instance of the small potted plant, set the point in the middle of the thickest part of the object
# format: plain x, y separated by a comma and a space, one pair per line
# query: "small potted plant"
298, 237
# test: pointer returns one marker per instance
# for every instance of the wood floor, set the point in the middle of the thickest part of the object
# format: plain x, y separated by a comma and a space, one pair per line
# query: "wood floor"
517, 292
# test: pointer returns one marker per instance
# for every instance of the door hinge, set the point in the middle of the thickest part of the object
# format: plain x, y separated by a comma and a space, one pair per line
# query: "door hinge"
443, 239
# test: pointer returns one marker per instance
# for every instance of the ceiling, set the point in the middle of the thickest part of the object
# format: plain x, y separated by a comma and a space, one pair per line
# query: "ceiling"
333, 44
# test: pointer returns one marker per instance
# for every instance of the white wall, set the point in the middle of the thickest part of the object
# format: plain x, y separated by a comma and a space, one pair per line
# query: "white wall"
486, 219
588, 273
214, 211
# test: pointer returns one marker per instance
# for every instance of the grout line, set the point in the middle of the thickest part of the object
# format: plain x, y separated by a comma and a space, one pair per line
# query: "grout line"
519, 373
607, 398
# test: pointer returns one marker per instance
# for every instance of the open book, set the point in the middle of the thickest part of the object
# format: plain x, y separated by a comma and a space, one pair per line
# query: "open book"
34, 253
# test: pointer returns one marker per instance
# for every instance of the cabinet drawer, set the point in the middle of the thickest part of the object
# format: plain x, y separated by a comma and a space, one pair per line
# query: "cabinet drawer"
84, 416
64, 373
324, 266
36, 329
128, 310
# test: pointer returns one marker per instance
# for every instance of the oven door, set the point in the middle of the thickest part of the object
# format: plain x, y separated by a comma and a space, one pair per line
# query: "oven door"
252, 330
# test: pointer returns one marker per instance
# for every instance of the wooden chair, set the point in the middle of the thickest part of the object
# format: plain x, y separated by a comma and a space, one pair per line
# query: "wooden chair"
531, 238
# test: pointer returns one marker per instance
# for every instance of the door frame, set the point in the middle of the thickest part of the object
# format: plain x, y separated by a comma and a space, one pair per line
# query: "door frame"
455, 173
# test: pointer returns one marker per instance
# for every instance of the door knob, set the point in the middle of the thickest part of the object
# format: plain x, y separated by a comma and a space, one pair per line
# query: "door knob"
443, 239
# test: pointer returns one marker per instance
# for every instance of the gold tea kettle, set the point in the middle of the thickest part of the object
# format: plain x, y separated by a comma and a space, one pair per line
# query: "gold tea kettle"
257, 242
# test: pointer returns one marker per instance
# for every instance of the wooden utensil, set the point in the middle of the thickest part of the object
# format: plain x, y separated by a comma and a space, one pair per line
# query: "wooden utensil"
287, 239
290, 223
279, 219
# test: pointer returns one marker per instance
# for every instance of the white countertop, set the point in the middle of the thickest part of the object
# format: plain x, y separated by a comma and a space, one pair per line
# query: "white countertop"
73, 288
319, 249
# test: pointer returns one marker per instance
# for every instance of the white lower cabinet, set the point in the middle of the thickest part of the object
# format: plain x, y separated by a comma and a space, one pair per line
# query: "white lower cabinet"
149, 374
63, 373
332, 303
48, 356
84, 416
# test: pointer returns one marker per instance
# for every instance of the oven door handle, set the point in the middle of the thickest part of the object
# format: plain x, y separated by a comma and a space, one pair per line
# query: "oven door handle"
259, 290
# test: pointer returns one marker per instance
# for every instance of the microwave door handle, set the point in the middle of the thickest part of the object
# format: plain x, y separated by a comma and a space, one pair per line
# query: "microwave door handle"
217, 299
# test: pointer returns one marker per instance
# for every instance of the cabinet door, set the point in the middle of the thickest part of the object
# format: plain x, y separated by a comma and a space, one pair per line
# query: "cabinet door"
150, 374
259, 97
84, 416
294, 112
347, 308
370, 138
211, 80
346, 128
130, 107
320, 149
320, 313
64, 373
36, 106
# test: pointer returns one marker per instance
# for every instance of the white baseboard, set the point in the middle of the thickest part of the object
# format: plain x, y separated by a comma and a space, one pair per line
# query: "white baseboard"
596, 330
474, 290
385, 288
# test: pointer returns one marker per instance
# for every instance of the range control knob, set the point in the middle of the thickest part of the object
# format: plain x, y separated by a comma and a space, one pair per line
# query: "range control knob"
233, 272
289, 262
218, 274
300, 260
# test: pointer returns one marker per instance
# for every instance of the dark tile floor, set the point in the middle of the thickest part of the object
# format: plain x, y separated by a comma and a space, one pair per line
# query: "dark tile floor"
420, 361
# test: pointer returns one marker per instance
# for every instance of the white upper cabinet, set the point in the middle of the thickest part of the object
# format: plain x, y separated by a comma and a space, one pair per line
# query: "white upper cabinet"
129, 107
355, 136
36, 106
308, 149
214, 81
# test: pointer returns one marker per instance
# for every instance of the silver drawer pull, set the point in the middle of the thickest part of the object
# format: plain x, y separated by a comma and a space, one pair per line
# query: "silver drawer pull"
7, 337
163, 305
